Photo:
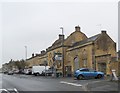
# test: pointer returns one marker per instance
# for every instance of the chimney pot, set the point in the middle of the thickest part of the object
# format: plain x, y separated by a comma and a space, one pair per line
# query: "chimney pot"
103, 31
33, 55
61, 36
77, 28
43, 51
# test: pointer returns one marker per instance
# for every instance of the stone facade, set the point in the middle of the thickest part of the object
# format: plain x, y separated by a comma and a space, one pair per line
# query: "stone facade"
79, 51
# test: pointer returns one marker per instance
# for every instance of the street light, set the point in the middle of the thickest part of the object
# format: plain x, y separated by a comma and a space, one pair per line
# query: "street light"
62, 51
26, 53
62, 30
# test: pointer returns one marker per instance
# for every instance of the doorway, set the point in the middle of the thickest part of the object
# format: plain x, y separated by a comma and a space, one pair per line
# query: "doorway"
102, 67
76, 63
68, 70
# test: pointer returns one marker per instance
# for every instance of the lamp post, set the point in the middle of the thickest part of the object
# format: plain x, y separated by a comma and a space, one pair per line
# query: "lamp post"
25, 53
62, 51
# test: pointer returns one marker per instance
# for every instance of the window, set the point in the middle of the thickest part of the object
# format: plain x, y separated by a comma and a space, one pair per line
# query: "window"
58, 51
85, 62
91, 70
86, 70
50, 55
50, 63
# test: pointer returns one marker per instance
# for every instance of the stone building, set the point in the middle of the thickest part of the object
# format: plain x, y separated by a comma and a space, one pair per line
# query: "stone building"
37, 59
56, 48
79, 51
119, 54
94, 52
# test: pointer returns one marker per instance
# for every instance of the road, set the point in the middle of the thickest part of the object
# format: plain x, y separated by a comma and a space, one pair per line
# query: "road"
42, 83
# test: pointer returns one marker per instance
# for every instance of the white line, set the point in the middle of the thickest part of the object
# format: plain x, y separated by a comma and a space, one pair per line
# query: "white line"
96, 81
74, 84
7, 90
1, 90
16, 90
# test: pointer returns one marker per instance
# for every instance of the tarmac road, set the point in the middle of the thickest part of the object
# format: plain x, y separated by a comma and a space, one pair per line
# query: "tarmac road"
31, 83
42, 83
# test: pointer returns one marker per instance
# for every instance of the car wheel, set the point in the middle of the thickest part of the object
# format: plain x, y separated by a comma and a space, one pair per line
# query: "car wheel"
36, 74
80, 77
99, 76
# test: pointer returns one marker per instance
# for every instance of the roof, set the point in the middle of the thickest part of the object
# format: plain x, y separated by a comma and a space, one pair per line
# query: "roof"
91, 39
57, 42
74, 33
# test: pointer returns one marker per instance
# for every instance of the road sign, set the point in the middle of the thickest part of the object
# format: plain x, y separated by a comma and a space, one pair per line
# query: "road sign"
57, 57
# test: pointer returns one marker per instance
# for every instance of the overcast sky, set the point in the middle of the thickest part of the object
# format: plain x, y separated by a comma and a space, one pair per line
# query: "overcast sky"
37, 24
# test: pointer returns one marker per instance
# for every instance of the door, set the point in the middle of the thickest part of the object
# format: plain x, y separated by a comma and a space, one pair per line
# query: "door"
102, 67
93, 73
76, 63
68, 71
85, 72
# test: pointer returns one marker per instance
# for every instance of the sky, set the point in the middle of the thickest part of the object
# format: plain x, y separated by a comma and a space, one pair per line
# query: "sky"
36, 24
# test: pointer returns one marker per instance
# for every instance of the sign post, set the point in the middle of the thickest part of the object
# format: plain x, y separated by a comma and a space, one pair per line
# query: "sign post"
57, 57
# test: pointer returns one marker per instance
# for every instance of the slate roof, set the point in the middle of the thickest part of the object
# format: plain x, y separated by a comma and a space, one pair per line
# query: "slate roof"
91, 39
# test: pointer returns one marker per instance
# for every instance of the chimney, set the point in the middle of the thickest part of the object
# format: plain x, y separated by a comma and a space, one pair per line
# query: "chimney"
103, 32
33, 55
77, 28
61, 37
43, 51
37, 54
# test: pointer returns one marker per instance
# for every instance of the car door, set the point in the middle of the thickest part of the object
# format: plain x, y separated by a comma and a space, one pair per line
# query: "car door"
93, 73
85, 72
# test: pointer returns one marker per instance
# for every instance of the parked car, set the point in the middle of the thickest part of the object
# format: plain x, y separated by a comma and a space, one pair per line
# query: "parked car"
84, 73
16, 71
5, 72
27, 71
48, 72
37, 70
10, 73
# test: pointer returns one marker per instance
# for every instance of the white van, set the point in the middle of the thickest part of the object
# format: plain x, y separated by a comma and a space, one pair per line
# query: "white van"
37, 70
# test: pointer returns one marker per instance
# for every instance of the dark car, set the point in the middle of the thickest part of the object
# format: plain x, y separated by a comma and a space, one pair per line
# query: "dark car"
5, 72
88, 73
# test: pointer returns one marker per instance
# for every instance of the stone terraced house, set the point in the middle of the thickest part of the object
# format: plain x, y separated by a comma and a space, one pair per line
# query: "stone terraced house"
97, 52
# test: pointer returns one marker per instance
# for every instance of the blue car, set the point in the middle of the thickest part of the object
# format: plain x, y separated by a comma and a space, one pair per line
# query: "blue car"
84, 73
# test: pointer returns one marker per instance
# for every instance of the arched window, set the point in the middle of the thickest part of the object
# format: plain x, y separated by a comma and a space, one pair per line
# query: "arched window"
76, 63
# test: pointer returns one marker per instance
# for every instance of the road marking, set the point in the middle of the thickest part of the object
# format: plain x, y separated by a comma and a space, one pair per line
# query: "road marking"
1, 90
15, 90
74, 84
9, 90
95, 82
